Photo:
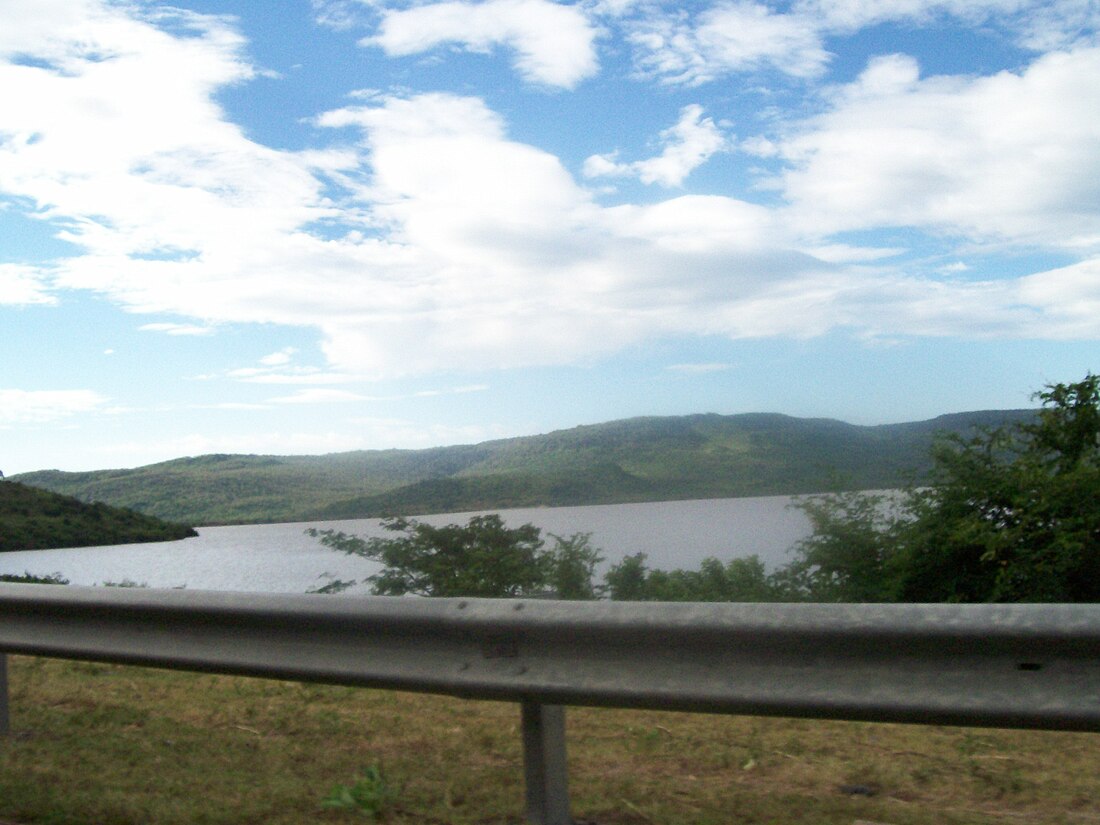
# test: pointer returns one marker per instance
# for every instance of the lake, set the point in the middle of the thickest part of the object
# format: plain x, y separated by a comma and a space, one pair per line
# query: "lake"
281, 558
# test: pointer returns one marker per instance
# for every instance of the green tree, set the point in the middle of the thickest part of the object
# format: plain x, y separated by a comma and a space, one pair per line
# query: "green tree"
1012, 514
738, 580
572, 567
852, 553
481, 558
1008, 514
626, 581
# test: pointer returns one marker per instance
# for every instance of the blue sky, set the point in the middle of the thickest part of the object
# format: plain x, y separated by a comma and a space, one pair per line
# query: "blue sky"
309, 227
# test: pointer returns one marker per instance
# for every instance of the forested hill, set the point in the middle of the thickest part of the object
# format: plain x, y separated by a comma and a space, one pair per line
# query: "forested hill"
638, 459
33, 519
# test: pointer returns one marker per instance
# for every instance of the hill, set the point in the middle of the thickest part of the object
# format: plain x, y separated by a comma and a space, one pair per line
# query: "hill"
638, 459
34, 519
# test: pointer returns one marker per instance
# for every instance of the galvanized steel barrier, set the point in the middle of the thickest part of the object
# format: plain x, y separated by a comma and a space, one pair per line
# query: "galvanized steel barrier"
1034, 666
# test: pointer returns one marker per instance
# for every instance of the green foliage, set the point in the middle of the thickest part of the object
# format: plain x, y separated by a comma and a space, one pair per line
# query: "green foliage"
33, 519
626, 581
738, 580
1009, 514
484, 558
851, 555
333, 586
30, 578
572, 568
370, 795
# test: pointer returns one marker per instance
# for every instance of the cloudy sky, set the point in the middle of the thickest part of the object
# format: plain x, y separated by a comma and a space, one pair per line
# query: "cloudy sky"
307, 227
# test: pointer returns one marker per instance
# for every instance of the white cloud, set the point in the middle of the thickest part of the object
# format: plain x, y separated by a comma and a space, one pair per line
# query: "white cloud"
44, 406
289, 376
678, 46
1012, 158
22, 285
1041, 25
169, 328
442, 261
553, 43
687, 145
319, 396
280, 358
741, 36
1069, 296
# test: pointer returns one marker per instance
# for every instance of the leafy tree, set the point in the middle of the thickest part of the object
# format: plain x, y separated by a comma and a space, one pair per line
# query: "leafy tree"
626, 581
1012, 514
572, 567
851, 555
738, 580
481, 558
1009, 514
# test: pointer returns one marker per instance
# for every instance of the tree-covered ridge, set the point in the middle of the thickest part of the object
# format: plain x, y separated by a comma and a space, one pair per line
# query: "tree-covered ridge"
1008, 513
34, 519
639, 459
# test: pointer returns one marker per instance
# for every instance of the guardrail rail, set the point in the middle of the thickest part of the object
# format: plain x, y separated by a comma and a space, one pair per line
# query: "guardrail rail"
1024, 665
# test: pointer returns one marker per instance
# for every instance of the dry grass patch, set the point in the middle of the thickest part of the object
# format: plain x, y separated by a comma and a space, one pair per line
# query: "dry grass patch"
119, 745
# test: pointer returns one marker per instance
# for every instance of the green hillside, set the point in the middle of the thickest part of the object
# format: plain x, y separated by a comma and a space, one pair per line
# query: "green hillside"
639, 459
34, 519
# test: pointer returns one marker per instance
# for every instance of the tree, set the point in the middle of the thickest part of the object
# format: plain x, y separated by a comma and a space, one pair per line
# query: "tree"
851, 555
626, 581
573, 563
738, 580
481, 558
1008, 514
1012, 513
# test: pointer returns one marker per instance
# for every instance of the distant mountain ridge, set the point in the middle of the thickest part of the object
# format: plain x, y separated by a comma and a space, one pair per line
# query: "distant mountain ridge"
636, 459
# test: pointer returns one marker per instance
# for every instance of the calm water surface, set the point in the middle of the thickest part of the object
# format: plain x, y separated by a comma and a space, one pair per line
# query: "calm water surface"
280, 558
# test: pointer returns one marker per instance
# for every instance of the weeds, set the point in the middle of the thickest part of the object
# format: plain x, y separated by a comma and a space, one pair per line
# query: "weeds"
265, 751
370, 795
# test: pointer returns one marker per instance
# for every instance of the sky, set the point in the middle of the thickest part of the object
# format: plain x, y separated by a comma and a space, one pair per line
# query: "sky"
309, 227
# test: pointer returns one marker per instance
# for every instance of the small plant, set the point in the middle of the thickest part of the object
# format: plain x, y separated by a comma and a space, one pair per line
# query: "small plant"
371, 795
30, 578
334, 586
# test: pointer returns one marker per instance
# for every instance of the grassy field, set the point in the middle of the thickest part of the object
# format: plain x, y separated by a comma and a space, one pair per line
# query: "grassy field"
104, 744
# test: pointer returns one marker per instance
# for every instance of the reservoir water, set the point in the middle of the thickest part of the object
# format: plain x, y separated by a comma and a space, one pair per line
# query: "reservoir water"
281, 558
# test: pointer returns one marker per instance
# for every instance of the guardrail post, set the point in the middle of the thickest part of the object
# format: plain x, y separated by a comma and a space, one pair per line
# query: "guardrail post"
544, 764
5, 719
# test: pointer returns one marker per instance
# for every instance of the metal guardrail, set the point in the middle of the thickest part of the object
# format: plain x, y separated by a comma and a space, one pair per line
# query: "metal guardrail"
1035, 666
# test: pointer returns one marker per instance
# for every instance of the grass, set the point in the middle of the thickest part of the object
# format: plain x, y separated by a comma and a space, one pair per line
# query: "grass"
119, 746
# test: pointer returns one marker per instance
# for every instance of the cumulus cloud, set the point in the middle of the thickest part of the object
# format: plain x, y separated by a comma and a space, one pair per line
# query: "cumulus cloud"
434, 258
553, 44
21, 285
687, 145
727, 37
1011, 158
1041, 25
280, 358
169, 328
44, 406
677, 46
1069, 295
